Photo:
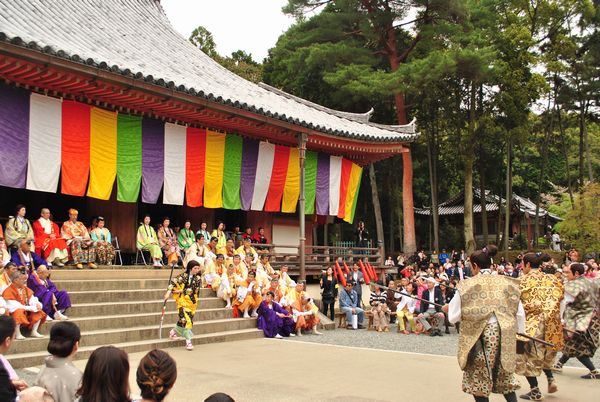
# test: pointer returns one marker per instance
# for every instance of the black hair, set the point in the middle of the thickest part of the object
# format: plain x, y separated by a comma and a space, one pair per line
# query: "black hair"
271, 293
63, 337
190, 265
483, 258
220, 256
535, 259
214, 239
8, 327
156, 375
219, 397
199, 236
577, 267
18, 208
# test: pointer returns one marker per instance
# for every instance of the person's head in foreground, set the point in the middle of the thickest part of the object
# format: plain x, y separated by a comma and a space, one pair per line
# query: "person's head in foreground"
64, 339
106, 376
219, 397
156, 375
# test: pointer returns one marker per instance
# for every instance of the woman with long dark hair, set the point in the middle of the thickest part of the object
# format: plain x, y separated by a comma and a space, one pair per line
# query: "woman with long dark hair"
106, 376
329, 285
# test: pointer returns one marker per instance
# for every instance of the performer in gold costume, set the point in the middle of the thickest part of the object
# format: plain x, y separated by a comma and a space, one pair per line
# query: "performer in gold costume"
490, 312
541, 296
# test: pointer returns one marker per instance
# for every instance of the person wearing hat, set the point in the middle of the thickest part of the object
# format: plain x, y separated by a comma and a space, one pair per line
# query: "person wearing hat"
78, 239
430, 311
48, 242
105, 252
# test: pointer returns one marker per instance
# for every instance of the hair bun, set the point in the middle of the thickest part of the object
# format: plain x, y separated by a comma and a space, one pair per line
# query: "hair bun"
490, 250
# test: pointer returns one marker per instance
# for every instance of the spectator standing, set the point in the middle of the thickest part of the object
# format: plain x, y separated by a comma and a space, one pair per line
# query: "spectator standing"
389, 262
329, 286
59, 376
444, 256
435, 258
106, 377
156, 375
361, 236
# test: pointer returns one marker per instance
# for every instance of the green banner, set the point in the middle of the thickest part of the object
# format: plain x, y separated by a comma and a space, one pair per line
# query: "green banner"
310, 181
232, 172
129, 157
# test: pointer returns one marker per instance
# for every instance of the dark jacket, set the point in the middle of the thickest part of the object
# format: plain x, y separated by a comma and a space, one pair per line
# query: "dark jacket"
359, 281
329, 288
8, 392
438, 298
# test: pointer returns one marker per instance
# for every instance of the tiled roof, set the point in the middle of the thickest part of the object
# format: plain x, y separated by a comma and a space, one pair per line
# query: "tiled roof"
455, 205
134, 38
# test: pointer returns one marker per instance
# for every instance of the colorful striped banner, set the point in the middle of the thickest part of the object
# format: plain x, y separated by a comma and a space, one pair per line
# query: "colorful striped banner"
322, 190
14, 136
195, 154
43, 167
129, 157
264, 168
214, 166
345, 178
310, 182
281, 160
75, 147
291, 191
103, 153
47, 140
248, 176
153, 148
353, 187
232, 172
174, 190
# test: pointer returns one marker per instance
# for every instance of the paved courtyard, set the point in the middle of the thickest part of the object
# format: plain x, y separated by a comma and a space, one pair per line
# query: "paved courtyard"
338, 366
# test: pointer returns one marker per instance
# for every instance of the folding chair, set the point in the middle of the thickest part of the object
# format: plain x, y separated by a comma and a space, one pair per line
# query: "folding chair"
117, 252
138, 254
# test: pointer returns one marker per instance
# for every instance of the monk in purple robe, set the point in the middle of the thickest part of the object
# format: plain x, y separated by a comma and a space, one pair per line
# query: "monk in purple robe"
23, 256
274, 320
54, 301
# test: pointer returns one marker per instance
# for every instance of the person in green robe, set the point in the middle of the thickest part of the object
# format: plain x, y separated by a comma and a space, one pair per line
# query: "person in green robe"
186, 236
147, 240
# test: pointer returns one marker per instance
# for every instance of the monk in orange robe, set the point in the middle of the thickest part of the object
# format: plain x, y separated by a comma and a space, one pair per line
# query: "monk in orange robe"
304, 310
248, 295
23, 306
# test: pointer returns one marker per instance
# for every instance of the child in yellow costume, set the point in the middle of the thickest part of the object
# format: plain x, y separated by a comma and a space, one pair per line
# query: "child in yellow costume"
185, 289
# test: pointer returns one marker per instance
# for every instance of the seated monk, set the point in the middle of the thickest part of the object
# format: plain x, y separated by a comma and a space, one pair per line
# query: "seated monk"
239, 267
23, 306
48, 242
229, 250
274, 320
284, 279
229, 282
247, 261
276, 289
306, 313
54, 302
197, 251
219, 269
248, 295
5, 275
78, 238
264, 271
24, 257
4, 254
246, 248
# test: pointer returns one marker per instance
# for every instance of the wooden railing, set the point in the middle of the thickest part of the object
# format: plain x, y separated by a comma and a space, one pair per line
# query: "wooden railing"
317, 258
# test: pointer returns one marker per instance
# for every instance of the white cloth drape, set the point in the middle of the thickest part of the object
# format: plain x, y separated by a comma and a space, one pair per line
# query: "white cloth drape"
174, 187
264, 167
45, 128
335, 177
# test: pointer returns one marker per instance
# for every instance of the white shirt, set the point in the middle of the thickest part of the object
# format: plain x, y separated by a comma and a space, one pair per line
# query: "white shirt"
454, 313
408, 302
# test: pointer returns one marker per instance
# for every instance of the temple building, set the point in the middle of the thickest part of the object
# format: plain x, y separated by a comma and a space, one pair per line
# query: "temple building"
106, 108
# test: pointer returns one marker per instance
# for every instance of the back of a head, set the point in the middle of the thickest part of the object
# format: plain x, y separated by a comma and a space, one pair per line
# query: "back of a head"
156, 375
483, 257
219, 397
535, 260
7, 327
106, 376
63, 337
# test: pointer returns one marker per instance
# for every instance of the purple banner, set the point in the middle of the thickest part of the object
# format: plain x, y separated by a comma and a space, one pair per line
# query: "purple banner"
153, 145
322, 199
249, 161
14, 136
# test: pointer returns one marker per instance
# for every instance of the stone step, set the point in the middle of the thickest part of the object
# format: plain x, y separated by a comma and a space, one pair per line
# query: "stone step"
131, 307
134, 334
22, 360
106, 296
133, 272
134, 320
110, 284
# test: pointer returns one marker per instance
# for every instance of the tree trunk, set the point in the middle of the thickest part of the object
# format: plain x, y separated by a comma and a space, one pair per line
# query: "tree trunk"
549, 132
566, 155
376, 208
391, 208
483, 202
499, 222
588, 157
581, 144
431, 157
468, 172
508, 197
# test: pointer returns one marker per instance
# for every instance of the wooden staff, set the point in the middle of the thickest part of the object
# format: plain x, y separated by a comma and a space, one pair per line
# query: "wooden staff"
538, 340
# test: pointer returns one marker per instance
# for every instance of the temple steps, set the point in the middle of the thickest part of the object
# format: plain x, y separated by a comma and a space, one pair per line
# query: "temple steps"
122, 306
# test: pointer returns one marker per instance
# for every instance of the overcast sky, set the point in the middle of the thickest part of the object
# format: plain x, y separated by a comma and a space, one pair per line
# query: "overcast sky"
252, 26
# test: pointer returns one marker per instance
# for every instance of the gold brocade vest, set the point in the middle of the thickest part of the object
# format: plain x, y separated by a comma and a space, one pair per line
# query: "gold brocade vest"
481, 296
541, 295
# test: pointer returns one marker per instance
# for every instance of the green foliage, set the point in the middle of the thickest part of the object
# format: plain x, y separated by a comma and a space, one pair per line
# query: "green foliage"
580, 227
203, 39
519, 242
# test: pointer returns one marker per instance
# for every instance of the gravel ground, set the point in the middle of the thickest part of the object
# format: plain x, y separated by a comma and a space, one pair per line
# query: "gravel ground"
446, 345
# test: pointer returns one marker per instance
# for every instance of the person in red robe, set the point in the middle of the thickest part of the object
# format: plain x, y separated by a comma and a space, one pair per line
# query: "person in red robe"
48, 242
23, 306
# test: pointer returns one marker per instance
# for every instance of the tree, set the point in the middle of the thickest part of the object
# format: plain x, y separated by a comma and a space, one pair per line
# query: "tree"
203, 39
580, 227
